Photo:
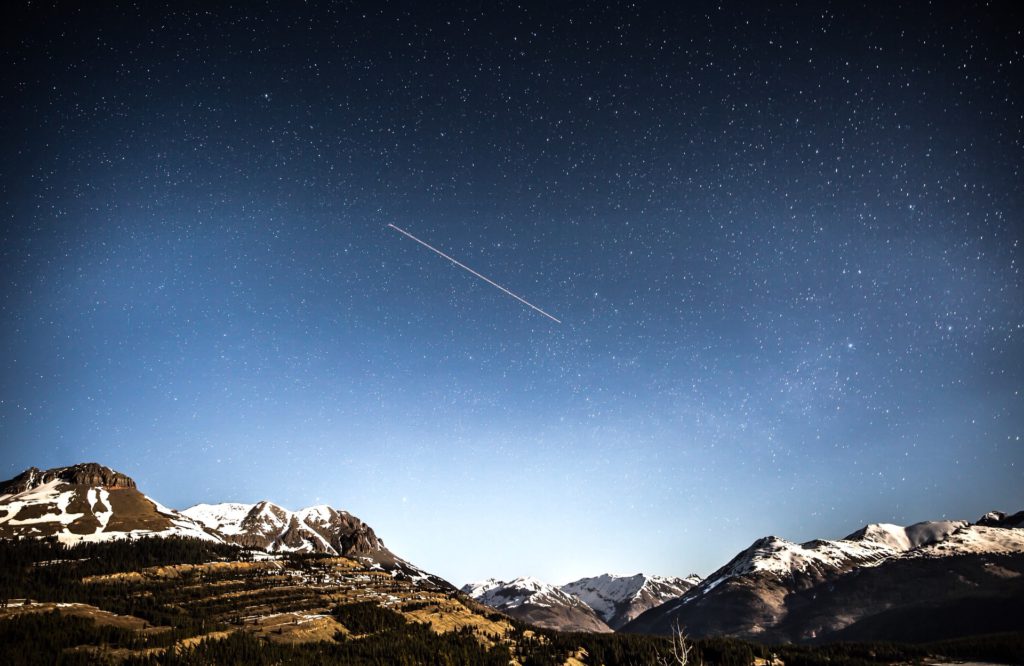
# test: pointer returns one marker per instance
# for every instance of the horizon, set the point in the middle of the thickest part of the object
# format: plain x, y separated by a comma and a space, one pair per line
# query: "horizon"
458, 582
731, 271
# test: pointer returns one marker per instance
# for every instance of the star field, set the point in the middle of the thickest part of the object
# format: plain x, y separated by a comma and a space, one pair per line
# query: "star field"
784, 243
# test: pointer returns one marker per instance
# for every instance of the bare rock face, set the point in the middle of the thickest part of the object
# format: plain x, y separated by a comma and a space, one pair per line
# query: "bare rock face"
262, 526
347, 534
83, 474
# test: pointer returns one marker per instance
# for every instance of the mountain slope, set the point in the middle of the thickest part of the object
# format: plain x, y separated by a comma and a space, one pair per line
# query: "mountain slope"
778, 591
619, 599
86, 502
538, 603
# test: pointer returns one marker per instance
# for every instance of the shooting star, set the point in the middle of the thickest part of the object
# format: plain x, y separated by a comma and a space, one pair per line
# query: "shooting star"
482, 277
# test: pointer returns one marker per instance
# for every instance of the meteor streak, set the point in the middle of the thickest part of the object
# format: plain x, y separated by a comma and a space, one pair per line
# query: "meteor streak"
484, 278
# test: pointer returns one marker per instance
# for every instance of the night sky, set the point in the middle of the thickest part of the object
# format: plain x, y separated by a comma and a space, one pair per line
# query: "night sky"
785, 246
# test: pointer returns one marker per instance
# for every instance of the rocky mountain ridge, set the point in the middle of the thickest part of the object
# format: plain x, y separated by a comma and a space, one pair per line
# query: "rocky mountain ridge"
619, 599
83, 474
777, 591
537, 602
600, 603
267, 526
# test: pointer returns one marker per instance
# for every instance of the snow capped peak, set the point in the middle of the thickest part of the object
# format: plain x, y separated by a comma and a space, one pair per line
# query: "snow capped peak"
906, 538
536, 590
319, 528
537, 602
608, 586
519, 591
530, 583
869, 546
249, 524
778, 557
975, 539
608, 600
618, 599
272, 512
477, 589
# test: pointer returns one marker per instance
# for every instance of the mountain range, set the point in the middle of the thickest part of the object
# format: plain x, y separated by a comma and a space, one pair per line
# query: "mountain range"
538, 603
602, 603
927, 581
921, 582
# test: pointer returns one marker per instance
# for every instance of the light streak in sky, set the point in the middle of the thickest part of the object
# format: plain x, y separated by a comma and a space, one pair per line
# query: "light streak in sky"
482, 277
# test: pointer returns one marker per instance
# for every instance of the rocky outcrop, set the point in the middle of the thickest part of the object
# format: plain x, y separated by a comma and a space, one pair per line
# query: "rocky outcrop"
83, 474
347, 534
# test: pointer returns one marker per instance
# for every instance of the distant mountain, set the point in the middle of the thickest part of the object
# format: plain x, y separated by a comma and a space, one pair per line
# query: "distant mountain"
538, 603
90, 502
883, 582
619, 599
86, 502
1000, 519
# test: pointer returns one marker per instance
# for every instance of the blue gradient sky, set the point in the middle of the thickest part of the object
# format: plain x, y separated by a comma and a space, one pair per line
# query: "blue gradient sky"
785, 245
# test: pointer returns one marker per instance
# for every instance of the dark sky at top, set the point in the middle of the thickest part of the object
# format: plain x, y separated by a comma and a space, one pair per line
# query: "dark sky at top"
784, 243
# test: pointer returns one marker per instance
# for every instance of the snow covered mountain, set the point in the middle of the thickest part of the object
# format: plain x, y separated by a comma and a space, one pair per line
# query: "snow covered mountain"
619, 599
264, 525
777, 590
86, 502
538, 603
599, 604
89, 502
315, 529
